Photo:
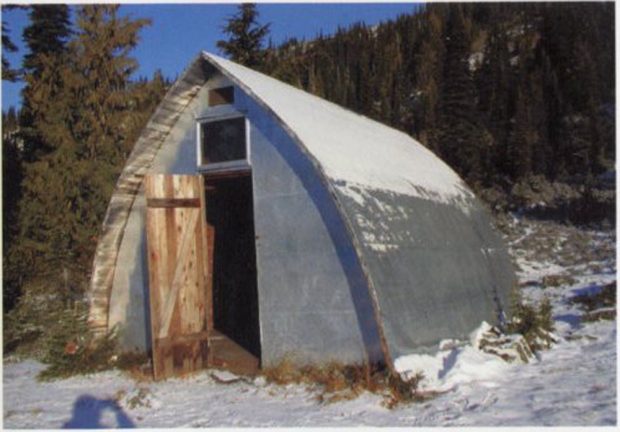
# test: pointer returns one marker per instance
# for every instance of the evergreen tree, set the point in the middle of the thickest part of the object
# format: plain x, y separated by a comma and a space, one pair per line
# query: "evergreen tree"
382, 99
104, 67
146, 97
530, 87
246, 37
427, 74
8, 73
47, 33
592, 106
11, 172
46, 38
87, 125
523, 136
462, 141
495, 88
554, 107
11, 182
86, 110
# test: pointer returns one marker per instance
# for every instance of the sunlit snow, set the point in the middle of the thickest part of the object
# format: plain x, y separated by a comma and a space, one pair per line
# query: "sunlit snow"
573, 383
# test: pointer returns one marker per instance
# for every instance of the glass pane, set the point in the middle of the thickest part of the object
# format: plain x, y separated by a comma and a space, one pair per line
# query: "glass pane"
223, 141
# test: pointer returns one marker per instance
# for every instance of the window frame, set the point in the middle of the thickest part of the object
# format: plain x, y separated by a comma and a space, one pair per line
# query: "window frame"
227, 166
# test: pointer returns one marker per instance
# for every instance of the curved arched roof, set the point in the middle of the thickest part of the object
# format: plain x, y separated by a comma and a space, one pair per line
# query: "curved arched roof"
425, 245
434, 268
350, 147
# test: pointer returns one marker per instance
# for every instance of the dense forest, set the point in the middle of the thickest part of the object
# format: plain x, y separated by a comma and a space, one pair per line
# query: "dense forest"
62, 153
500, 91
503, 92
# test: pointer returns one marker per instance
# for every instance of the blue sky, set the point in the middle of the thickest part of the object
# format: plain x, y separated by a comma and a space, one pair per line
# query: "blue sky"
179, 31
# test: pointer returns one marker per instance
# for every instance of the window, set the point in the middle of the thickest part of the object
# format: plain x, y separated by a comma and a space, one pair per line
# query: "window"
221, 96
223, 141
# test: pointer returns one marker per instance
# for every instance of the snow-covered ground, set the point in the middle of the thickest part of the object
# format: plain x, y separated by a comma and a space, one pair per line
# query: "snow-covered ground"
574, 383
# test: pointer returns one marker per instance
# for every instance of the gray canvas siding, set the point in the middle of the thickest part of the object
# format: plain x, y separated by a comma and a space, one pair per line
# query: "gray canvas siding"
311, 288
129, 307
343, 269
441, 272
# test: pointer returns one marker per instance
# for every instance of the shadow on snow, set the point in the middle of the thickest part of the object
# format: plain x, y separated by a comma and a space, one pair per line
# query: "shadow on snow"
88, 410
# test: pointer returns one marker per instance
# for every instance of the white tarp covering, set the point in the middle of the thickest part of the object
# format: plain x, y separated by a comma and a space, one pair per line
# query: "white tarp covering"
351, 147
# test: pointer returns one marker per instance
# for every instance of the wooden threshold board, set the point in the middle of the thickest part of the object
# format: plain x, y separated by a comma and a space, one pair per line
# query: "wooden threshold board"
227, 354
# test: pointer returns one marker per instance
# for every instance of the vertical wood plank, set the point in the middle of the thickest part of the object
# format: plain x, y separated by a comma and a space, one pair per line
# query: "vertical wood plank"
210, 247
176, 243
204, 256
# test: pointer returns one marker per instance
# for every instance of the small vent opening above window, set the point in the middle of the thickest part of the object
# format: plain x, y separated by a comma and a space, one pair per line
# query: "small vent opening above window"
221, 96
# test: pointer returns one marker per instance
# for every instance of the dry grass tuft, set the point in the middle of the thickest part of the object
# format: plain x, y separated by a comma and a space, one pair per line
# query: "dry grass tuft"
338, 381
557, 280
137, 365
406, 390
605, 297
283, 373
599, 306
534, 323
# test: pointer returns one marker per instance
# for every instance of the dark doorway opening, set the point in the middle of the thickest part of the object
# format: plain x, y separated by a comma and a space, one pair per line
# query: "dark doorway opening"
231, 239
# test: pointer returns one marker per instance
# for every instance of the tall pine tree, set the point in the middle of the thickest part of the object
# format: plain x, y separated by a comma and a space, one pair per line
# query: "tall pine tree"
495, 87
246, 37
12, 172
46, 37
463, 142
8, 73
427, 74
87, 125
47, 33
525, 68
104, 68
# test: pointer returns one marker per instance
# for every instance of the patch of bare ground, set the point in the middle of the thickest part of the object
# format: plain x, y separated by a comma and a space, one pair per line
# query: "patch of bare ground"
572, 254
336, 382
598, 305
559, 243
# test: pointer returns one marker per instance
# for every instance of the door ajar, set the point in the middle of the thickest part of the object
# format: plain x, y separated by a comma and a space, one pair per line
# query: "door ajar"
179, 303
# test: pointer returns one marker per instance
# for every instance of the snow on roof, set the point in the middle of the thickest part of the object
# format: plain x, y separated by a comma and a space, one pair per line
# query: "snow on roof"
350, 147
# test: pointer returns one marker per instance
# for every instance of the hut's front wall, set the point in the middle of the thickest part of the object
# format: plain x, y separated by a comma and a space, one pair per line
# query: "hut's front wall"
437, 269
129, 307
312, 292
310, 286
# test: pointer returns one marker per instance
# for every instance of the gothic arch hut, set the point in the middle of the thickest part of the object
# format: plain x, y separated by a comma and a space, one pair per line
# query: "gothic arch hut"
322, 235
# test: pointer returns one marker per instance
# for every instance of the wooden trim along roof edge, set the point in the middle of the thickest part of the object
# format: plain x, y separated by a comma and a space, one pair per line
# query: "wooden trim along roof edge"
179, 96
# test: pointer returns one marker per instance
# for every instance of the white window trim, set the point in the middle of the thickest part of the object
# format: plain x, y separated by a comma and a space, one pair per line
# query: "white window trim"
228, 166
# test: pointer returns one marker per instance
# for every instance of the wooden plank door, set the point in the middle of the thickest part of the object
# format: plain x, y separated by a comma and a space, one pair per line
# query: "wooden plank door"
177, 262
